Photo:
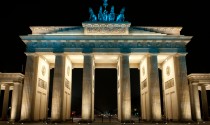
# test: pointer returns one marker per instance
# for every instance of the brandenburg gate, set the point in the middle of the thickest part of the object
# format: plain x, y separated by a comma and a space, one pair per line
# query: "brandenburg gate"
106, 45
106, 42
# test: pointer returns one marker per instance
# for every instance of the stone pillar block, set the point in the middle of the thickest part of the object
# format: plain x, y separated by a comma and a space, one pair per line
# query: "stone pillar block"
195, 103
30, 80
58, 88
204, 103
87, 86
180, 69
5, 102
125, 88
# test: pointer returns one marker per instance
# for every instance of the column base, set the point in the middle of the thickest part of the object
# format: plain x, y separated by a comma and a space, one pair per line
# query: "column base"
127, 121
197, 120
85, 121
57, 120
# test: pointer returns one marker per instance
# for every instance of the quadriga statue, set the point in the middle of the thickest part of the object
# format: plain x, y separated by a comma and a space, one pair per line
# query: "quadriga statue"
121, 17
112, 14
100, 14
92, 15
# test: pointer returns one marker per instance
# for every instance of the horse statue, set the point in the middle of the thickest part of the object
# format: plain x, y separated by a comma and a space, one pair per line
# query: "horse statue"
92, 15
111, 14
121, 17
105, 15
100, 14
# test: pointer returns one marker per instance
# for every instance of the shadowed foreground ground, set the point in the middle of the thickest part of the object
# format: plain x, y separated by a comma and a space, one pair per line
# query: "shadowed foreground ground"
105, 121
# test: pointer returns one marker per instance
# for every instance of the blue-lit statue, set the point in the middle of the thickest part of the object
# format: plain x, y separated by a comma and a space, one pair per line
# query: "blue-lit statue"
112, 14
105, 3
105, 15
92, 15
120, 17
100, 14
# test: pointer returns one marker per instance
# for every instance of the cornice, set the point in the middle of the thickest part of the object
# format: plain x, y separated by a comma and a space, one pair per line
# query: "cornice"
11, 77
166, 30
199, 77
46, 29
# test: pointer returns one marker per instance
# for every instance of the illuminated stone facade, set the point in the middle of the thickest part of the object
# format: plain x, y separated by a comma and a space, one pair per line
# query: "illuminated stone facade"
106, 45
113, 45
199, 81
14, 82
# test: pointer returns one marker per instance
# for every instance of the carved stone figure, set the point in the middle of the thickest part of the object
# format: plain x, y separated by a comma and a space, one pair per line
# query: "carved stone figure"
100, 14
112, 14
92, 15
121, 17
105, 15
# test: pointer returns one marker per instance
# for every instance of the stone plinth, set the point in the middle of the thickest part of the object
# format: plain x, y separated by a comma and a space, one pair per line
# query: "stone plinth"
106, 28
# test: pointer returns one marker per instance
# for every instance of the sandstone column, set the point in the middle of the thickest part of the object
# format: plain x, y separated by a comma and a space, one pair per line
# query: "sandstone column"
153, 88
58, 88
15, 101
125, 88
93, 89
5, 102
150, 89
19, 101
204, 103
30, 80
195, 103
180, 71
118, 92
87, 88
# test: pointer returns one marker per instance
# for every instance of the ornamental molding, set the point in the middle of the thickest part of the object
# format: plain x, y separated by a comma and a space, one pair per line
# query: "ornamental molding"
100, 26
63, 38
199, 79
168, 72
166, 30
60, 46
46, 29
106, 28
106, 24
43, 70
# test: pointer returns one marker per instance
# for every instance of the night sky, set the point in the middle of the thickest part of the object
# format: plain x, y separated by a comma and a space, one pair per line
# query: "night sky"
17, 18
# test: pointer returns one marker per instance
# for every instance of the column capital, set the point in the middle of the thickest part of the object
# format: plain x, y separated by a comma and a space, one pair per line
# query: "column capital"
180, 54
59, 54
124, 54
31, 54
6, 84
16, 83
152, 54
88, 54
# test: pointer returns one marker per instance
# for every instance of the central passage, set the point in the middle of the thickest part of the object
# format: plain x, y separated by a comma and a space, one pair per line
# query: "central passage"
105, 91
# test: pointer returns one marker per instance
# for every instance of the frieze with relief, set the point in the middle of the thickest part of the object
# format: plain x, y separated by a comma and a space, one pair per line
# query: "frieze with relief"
60, 46
169, 84
144, 84
42, 84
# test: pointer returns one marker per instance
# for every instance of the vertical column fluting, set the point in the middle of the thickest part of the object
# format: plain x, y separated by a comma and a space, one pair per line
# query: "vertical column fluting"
30, 81
182, 88
87, 88
5, 102
58, 88
195, 102
125, 88
15, 100
153, 88
204, 103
